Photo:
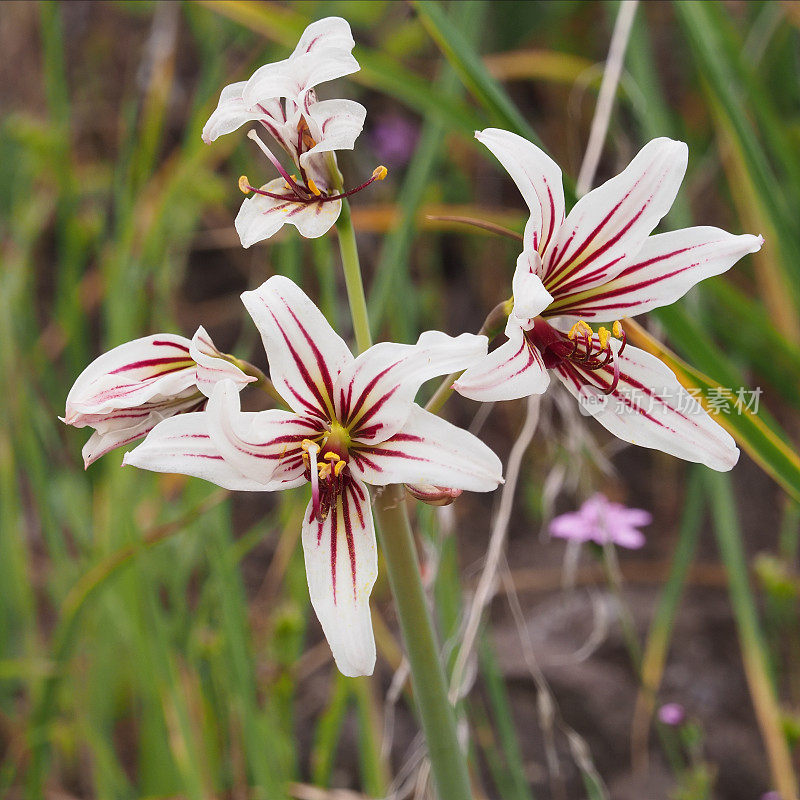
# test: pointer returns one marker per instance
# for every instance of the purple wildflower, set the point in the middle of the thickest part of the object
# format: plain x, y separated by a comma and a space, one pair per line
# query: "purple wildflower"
601, 521
394, 138
672, 714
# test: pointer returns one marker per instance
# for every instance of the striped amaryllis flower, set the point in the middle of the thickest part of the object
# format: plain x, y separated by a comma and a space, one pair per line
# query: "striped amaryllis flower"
127, 391
353, 421
281, 97
601, 264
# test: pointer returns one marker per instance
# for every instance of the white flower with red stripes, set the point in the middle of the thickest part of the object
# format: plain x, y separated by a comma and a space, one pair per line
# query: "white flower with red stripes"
281, 97
127, 391
353, 421
600, 263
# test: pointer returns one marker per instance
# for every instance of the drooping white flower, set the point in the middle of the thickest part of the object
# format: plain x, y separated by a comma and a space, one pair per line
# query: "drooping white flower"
281, 97
600, 263
127, 391
353, 421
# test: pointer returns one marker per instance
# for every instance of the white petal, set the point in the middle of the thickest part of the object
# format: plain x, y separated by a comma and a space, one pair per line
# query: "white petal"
650, 408
666, 267
609, 224
335, 125
374, 395
212, 367
305, 354
530, 296
183, 445
341, 567
429, 450
538, 178
230, 113
149, 369
323, 53
264, 445
513, 370
129, 425
261, 217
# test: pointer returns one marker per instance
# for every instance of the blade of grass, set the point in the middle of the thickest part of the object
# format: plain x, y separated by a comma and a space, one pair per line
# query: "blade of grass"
476, 77
754, 655
392, 272
657, 644
765, 443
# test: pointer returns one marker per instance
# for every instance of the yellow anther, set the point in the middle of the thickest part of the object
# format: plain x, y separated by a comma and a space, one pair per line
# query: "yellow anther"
313, 187
331, 456
604, 334
324, 470
339, 468
580, 328
379, 173
244, 185
617, 329
308, 445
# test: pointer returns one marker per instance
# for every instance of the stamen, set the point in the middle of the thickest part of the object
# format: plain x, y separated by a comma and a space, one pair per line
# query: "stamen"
378, 174
339, 468
277, 164
312, 448
331, 456
244, 185
603, 335
313, 187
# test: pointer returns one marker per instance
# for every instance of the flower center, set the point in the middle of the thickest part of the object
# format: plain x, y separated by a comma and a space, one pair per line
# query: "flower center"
305, 190
579, 347
325, 463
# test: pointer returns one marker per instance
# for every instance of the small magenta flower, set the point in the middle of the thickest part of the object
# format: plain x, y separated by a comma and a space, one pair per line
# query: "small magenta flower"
353, 421
127, 391
672, 714
281, 97
603, 522
600, 263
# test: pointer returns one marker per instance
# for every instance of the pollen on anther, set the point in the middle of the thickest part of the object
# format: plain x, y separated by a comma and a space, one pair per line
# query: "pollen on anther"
313, 187
617, 329
604, 334
339, 468
379, 173
244, 185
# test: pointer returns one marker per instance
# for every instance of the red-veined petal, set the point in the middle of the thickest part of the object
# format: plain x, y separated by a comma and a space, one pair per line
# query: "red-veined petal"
264, 445
666, 267
341, 566
375, 393
212, 367
323, 53
146, 370
649, 407
305, 354
129, 425
513, 370
183, 445
609, 224
538, 178
261, 217
428, 450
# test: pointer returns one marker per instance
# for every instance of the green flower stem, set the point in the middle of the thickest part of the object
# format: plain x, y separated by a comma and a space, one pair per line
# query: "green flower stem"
430, 687
352, 278
397, 543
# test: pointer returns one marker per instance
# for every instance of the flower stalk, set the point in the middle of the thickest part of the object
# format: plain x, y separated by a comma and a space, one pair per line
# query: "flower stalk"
430, 687
352, 278
397, 544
